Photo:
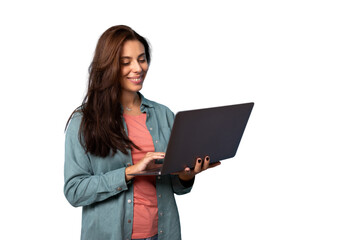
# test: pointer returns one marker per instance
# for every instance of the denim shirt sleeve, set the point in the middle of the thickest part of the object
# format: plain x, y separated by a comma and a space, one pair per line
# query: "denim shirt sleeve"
82, 187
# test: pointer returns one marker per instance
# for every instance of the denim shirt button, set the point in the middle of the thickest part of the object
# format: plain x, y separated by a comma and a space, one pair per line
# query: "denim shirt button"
129, 200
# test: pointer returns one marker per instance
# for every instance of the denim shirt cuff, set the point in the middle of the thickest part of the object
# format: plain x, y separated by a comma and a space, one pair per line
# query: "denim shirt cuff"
187, 184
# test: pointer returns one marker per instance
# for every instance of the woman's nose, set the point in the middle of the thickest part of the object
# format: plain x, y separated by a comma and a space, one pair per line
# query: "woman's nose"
136, 67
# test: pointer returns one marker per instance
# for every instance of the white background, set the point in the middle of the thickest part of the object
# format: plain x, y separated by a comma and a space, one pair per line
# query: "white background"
296, 174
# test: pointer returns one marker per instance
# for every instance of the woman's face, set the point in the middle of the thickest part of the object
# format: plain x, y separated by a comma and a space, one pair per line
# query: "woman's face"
134, 66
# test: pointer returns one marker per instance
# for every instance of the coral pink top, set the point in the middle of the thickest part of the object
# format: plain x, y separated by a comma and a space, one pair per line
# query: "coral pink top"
145, 223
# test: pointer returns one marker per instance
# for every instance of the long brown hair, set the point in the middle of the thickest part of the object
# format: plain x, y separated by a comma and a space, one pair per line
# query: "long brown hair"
101, 130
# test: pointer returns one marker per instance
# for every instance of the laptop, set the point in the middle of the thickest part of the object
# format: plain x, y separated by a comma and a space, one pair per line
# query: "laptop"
215, 132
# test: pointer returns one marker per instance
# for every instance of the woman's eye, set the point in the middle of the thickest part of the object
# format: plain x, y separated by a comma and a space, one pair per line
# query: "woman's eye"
125, 63
142, 60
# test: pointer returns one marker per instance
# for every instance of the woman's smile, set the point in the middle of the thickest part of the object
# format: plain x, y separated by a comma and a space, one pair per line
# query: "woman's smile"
136, 79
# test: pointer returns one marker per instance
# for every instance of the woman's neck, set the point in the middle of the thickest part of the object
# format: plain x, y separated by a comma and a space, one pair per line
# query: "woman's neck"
129, 98
130, 102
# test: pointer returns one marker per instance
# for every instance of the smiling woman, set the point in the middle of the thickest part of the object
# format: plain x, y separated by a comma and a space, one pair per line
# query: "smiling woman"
102, 104
117, 132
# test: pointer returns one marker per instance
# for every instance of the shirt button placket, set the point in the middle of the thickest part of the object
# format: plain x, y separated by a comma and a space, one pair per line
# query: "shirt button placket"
129, 201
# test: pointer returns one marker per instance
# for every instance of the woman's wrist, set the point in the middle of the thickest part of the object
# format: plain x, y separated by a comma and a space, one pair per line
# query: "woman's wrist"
186, 178
129, 170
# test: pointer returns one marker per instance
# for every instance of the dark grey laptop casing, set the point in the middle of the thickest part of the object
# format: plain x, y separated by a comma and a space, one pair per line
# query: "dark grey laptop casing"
215, 132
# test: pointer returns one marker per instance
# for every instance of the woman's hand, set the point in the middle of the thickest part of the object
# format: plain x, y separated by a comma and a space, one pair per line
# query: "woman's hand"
200, 165
146, 163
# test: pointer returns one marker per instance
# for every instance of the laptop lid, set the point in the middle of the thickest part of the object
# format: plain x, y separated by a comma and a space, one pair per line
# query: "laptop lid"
215, 132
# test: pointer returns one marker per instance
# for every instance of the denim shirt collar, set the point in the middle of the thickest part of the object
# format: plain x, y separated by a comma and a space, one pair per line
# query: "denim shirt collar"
145, 103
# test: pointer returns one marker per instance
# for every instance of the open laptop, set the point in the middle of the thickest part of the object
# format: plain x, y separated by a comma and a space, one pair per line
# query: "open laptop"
214, 132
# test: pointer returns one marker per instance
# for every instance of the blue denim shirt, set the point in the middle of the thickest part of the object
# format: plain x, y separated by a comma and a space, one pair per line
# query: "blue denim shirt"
99, 186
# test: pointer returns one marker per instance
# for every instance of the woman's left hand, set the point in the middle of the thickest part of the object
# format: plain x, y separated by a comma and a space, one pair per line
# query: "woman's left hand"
200, 165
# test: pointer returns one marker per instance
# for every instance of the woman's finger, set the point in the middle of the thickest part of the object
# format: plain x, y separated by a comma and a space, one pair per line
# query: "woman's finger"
198, 165
150, 157
154, 155
158, 154
206, 163
186, 171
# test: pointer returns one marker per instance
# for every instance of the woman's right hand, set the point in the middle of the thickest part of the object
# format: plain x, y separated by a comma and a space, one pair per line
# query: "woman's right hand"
146, 163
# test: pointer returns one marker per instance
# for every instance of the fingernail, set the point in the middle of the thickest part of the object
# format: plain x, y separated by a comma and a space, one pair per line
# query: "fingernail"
199, 160
207, 158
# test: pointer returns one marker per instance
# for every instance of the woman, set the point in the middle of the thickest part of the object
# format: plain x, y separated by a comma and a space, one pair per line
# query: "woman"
117, 132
